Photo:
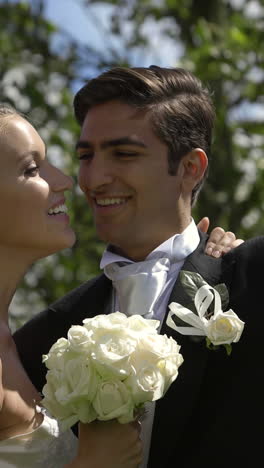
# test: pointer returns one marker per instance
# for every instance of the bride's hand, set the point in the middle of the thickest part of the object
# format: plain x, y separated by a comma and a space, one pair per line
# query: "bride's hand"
108, 444
220, 241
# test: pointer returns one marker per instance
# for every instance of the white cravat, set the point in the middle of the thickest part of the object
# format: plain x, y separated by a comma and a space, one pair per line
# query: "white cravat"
138, 285
177, 249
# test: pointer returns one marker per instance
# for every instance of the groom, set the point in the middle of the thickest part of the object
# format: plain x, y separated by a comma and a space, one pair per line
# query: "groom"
143, 151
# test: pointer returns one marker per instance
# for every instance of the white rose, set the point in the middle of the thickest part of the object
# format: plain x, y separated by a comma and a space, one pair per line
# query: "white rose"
170, 360
83, 410
101, 323
68, 393
77, 380
169, 369
161, 345
146, 383
56, 356
113, 400
224, 327
112, 352
68, 414
79, 339
138, 323
65, 414
80, 381
55, 382
155, 365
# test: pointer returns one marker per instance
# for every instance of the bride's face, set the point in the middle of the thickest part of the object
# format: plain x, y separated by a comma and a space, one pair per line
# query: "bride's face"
30, 190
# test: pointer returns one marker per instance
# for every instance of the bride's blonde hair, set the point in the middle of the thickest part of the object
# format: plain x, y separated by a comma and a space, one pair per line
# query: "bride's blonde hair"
7, 111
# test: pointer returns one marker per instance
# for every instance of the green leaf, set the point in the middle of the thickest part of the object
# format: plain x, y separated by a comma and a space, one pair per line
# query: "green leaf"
224, 294
191, 282
228, 348
238, 36
210, 345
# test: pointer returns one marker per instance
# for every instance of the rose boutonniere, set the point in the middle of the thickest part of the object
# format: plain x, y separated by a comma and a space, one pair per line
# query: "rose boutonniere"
207, 315
108, 368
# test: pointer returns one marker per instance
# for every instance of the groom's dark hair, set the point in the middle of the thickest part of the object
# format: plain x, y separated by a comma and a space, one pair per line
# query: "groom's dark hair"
181, 111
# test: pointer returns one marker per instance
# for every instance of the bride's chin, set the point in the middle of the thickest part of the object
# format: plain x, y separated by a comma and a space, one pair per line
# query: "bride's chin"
64, 242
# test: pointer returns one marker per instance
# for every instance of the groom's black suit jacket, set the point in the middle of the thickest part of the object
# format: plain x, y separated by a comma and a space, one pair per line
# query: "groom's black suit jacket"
212, 415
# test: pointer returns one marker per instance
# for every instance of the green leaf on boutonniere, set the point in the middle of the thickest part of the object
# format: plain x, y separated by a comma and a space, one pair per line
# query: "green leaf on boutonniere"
228, 348
191, 282
224, 294
212, 347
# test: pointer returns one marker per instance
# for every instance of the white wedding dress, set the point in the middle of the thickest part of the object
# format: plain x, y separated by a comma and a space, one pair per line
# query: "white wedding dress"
45, 447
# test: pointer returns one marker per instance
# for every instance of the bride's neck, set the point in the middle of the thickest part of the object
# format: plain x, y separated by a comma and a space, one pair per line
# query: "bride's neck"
13, 268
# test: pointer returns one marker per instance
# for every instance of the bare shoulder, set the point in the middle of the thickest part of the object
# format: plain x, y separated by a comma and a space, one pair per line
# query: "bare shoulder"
17, 394
1, 387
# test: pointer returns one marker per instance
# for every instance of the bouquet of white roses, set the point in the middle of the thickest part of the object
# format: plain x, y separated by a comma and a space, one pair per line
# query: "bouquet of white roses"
108, 368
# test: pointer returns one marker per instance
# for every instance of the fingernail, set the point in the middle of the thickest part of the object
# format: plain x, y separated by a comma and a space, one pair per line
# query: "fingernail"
216, 254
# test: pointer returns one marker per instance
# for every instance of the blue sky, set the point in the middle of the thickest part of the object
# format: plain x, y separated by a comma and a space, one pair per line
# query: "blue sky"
84, 25
80, 22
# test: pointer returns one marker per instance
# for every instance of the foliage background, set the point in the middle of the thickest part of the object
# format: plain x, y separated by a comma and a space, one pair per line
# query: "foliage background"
221, 42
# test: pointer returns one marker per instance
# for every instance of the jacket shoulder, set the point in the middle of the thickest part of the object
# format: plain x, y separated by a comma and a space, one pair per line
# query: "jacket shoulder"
86, 300
248, 254
88, 292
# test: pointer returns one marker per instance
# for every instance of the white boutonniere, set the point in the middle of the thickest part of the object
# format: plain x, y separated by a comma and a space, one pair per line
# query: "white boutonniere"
207, 315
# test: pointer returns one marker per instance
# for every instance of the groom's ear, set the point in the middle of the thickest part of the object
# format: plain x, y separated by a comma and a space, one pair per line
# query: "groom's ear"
194, 163
191, 170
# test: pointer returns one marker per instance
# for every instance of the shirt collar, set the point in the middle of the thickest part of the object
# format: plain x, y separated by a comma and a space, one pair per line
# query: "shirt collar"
176, 248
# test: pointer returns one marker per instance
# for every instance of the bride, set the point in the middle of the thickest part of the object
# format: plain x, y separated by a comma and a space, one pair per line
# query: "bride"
35, 224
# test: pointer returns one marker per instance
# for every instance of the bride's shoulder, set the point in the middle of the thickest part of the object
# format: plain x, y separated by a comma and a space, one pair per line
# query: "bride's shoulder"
44, 447
22, 424
1, 387
6, 343
17, 394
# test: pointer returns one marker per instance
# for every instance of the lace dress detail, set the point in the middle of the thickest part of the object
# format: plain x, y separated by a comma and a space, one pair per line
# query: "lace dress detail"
45, 447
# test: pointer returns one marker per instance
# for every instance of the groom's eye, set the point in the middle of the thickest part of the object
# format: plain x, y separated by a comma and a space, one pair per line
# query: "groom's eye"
85, 156
125, 153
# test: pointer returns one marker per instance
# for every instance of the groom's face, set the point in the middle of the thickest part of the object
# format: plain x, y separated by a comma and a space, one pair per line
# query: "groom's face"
124, 175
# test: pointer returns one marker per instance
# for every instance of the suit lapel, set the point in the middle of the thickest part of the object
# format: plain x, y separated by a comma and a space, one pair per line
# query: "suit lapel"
99, 302
174, 411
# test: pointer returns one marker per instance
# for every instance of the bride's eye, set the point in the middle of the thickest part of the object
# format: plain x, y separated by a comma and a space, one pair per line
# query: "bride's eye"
32, 171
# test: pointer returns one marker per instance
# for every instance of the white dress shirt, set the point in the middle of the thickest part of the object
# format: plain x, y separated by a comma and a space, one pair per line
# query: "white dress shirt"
177, 248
